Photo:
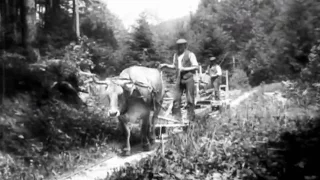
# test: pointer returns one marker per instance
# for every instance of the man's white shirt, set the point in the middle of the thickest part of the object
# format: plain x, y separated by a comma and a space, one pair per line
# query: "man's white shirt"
192, 58
218, 70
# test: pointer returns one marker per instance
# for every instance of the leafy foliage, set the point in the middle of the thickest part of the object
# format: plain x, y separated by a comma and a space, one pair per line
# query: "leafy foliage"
264, 48
46, 131
258, 140
310, 73
239, 80
99, 24
141, 43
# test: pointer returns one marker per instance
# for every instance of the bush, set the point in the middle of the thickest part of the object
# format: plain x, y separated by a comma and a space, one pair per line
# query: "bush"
35, 140
311, 72
15, 75
239, 80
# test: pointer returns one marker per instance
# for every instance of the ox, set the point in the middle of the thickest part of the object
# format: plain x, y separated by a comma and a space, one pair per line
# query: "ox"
130, 97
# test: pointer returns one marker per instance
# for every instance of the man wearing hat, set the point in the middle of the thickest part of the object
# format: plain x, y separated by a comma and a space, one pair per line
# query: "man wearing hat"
214, 71
186, 64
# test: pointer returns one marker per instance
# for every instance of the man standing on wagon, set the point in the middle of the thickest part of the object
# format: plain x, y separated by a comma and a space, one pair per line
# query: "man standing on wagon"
214, 71
185, 63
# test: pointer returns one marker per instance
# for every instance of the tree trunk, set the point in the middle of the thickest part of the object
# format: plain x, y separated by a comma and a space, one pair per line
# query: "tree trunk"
1, 24
4, 11
76, 24
56, 7
47, 15
29, 22
29, 26
16, 30
52, 14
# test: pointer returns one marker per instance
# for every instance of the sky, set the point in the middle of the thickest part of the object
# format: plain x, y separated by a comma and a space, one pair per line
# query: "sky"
128, 10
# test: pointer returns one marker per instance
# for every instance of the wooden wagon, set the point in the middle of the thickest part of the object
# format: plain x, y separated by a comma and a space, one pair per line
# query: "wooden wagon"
206, 97
205, 103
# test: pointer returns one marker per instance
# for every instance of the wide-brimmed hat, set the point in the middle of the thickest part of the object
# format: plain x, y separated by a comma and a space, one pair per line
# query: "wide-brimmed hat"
212, 58
181, 41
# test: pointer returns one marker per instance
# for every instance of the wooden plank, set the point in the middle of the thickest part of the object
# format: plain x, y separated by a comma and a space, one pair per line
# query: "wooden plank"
159, 140
200, 106
202, 112
171, 125
168, 99
208, 91
136, 125
168, 119
169, 109
204, 102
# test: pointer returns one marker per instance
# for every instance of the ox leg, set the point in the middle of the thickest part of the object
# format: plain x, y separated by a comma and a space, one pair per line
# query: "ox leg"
145, 131
176, 109
156, 112
121, 128
127, 149
124, 121
152, 134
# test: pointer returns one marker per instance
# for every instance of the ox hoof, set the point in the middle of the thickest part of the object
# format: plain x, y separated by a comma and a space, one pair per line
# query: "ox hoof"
126, 153
146, 147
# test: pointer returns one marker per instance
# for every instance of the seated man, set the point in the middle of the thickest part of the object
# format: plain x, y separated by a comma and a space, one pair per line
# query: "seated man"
186, 64
214, 71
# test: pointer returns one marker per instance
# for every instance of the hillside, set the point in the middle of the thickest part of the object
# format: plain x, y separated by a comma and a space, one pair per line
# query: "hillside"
170, 27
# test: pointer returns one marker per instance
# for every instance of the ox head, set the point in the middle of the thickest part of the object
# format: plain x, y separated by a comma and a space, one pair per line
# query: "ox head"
114, 91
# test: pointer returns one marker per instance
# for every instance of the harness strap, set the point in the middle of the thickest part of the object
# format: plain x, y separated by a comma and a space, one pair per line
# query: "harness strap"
153, 94
152, 91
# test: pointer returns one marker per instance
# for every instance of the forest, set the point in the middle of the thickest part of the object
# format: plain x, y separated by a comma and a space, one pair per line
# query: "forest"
46, 131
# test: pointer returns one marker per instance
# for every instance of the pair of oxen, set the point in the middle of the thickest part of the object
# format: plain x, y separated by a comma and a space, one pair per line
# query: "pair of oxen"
132, 96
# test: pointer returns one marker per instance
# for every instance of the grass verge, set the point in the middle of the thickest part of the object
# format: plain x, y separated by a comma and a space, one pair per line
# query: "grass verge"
54, 139
256, 141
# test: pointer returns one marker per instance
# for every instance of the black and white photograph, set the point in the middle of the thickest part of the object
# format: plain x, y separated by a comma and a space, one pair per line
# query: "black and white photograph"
159, 90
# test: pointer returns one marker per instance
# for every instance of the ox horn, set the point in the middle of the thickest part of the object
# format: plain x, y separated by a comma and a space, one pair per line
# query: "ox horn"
122, 78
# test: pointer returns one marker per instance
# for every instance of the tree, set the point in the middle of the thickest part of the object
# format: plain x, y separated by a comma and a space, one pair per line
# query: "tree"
29, 26
142, 38
269, 38
52, 13
76, 25
165, 34
98, 23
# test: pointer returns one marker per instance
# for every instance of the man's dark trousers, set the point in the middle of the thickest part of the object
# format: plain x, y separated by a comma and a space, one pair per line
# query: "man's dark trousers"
215, 82
186, 85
